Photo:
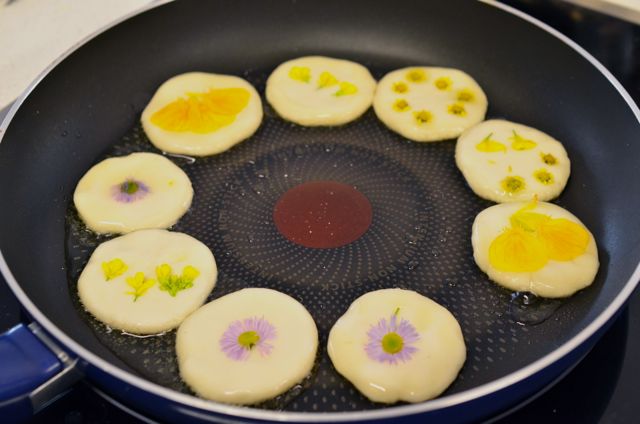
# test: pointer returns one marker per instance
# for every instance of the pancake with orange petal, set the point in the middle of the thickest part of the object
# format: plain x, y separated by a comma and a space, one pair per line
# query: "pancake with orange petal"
535, 247
202, 114
508, 162
429, 104
317, 90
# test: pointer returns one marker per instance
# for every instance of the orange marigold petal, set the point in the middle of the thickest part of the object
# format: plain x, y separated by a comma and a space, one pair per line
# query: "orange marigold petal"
565, 239
202, 113
515, 250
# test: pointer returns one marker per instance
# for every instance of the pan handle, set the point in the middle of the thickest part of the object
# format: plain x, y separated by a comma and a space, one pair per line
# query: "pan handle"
34, 370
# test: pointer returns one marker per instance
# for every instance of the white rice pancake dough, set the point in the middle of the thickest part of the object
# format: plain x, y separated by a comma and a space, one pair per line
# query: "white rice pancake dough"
148, 281
247, 346
317, 90
429, 104
508, 162
201, 114
534, 247
397, 345
128, 193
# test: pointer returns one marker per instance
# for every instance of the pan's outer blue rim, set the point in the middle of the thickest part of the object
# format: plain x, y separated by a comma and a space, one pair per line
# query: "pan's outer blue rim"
391, 412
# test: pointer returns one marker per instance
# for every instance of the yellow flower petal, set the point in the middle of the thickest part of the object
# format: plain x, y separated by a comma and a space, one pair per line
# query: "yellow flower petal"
489, 146
300, 73
346, 88
543, 176
528, 221
516, 250
416, 75
114, 268
513, 184
401, 105
521, 143
400, 87
548, 158
565, 239
327, 79
457, 109
465, 96
190, 273
443, 83
422, 117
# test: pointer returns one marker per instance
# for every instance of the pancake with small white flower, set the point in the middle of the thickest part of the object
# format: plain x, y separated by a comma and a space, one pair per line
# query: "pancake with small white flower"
201, 114
317, 90
397, 345
147, 281
534, 247
247, 347
133, 192
508, 162
429, 104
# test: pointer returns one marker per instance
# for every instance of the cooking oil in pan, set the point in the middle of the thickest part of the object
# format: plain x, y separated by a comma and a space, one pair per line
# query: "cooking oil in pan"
418, 239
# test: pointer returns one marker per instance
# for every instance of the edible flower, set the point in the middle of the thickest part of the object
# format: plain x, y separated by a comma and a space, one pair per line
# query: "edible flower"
327, 79
392, 340
243, 337
487, 145
114, 268
534, 238
129, 191
521, 143
140, 285
346, 88
173, 283
202, 113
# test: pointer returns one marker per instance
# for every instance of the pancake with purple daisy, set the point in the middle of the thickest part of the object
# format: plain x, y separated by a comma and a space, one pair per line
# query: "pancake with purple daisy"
397, 345
247, 347
134, 192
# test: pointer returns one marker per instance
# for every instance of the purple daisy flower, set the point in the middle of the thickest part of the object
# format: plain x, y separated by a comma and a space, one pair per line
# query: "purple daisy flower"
129, 191
391, 341
244, 336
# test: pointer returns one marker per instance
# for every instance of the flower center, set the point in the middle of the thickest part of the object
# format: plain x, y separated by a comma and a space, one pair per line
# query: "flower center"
392, 343
129, 187
248, 339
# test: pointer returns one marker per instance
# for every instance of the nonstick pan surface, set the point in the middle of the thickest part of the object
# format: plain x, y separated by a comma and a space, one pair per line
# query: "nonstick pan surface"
87, 108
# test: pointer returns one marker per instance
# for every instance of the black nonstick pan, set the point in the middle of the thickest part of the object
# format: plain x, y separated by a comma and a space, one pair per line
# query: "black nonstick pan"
88, 106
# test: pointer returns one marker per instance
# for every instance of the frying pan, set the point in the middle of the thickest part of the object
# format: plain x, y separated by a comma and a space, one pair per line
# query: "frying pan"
87, 108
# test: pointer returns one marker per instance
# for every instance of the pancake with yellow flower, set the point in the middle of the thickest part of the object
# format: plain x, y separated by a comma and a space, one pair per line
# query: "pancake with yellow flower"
508, 162
429, 104
397, 345
317, 90
202, 114
133, 192
147, 281
247, 347
535, 247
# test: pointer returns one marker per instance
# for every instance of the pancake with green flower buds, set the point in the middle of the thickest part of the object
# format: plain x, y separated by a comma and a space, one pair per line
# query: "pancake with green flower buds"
247, 347
200, 114
397, 345
508, 162
317, 90
535, 247
429, 104
147, 281
128, 193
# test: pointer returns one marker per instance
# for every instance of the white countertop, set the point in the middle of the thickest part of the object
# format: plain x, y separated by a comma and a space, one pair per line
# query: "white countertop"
33, 33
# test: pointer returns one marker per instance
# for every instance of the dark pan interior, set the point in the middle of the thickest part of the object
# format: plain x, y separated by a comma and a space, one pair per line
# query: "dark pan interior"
87, 108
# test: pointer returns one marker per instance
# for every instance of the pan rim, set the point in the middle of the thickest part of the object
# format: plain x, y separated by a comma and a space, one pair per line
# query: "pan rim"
390, 412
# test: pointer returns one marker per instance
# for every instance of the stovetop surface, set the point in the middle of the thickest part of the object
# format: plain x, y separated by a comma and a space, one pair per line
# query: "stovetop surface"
600, 389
